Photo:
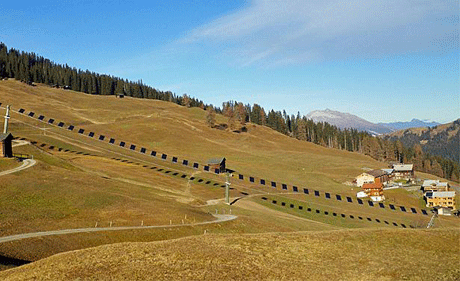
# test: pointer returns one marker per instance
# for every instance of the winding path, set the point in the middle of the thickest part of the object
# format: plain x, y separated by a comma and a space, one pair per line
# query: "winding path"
219, 219
25, 165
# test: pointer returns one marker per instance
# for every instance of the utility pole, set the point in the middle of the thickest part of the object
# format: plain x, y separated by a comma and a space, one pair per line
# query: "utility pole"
227, 189
7, 117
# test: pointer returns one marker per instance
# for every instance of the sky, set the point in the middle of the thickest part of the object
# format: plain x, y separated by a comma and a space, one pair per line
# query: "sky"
384, 61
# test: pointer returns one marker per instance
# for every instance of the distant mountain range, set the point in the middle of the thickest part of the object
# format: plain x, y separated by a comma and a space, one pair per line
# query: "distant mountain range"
442, 140
347, 120
414, 123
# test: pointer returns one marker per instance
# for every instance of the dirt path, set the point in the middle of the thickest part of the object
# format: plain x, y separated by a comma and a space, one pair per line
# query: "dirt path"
25, 165
219, 219
20, 143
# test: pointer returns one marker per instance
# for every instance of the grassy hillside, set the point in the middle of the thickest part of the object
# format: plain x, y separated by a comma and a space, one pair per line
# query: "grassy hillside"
332, 255
81, 182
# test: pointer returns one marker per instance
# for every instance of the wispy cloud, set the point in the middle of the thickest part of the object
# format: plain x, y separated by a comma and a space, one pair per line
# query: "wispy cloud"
272, 32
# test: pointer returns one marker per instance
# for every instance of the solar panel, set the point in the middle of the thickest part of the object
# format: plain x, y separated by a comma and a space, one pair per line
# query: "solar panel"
370, 203
294, 188
381, 205
284, 186
424, 212
300, 208
174, 160
369, 219
392, 207
273, 184
101, 137
342, 215
132, 147
338, 197
143, 150
216, 171
122, 144
413, 210
316, 193
21, 110
352, 217
81, 131
164, 156
185, 162
71, 127
349, 199
328, 195
305, 190
31, 114
403, 225
403, 209
61, 124
262, 181
377, 220
206, 168
112, 141
51, 121
91, 134
240, 176
195, 165
318, 211
283, 204
41, 117
274, 201
251, 179
359, 201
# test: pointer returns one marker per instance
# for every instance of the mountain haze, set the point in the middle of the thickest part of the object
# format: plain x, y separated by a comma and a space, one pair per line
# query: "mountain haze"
414, 123
347, 120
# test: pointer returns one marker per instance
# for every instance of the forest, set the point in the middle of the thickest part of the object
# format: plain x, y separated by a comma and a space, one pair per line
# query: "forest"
30, 68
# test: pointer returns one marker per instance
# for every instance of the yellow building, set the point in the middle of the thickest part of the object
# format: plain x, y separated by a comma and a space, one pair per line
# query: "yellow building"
441, 199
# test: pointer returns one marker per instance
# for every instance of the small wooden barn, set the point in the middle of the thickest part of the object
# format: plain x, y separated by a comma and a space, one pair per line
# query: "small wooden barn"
6, 148
217, 163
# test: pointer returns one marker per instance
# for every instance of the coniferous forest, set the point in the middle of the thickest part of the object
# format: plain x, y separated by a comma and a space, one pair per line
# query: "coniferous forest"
29, 68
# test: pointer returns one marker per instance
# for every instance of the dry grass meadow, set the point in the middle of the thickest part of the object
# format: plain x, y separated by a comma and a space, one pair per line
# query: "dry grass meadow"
325, 255
79, 182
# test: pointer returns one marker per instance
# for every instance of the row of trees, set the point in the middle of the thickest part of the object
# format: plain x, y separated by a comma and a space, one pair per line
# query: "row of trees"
29, 67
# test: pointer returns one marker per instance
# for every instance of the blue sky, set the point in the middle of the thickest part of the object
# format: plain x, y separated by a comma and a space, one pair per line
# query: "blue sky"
381, 60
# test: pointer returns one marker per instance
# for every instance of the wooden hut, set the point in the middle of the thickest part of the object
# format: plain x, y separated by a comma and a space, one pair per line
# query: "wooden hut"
6, 148
217, 163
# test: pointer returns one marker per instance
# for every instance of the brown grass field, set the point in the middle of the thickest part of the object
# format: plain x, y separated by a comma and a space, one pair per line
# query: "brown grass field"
80, 181
324, 255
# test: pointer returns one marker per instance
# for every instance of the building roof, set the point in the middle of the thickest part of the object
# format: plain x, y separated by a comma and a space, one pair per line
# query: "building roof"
403, 167
373, 186
376, 173
429, 182
216, 160
5, 136
440, 194
388, 171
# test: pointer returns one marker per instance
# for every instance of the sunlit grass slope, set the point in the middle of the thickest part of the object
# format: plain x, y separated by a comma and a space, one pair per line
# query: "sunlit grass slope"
331, 255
